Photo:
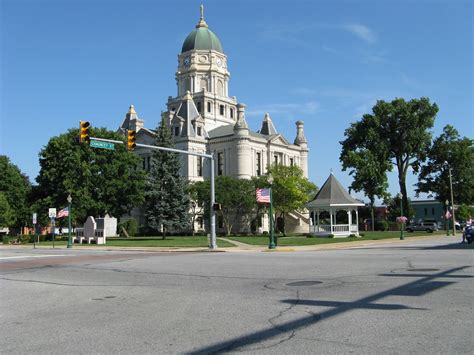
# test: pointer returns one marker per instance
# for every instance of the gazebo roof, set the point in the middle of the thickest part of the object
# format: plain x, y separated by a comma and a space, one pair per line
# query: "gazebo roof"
332, 194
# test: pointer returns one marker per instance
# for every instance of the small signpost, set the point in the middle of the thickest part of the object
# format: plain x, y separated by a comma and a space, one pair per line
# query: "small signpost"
34, 226
52, 216
102, 145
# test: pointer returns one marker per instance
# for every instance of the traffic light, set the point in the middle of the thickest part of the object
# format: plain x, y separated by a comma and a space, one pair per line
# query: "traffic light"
84, 131
131, 140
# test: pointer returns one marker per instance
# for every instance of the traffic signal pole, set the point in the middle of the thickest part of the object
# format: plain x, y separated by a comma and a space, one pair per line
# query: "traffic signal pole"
213, 243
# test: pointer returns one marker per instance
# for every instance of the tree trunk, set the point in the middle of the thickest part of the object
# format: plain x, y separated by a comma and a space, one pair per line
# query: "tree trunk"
403, 190
163, 237
372, 216
402, 175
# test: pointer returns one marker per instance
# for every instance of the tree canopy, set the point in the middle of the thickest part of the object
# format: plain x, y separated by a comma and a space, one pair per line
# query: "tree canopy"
15, 188
449, 150
397, 133
98, 180
290, 189
236, 197
369, 175
167, 202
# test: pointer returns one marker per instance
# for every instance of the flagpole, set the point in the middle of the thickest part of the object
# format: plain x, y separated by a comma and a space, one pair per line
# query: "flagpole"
271, 245
69, 240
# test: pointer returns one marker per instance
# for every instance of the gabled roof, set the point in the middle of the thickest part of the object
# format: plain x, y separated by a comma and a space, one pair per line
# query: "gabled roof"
332, 193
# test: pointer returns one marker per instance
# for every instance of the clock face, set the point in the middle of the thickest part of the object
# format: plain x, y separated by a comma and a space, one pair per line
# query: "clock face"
219, 62
187, 61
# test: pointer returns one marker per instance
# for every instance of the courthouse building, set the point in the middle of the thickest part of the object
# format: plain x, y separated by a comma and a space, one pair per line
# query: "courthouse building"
205, 118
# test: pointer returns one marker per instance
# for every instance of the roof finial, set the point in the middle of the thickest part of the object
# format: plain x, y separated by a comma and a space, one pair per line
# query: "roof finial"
330, 171
202, 22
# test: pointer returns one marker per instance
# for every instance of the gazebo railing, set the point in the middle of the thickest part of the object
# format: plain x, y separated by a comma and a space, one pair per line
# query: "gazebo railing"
336, 228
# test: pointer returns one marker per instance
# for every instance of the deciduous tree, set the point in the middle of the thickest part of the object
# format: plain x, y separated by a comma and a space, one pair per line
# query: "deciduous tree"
98, 180
449, 150
369, 174
396, 132
15, 188
290, 189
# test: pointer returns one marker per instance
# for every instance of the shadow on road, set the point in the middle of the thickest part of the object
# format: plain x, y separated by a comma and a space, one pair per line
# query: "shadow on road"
423, 285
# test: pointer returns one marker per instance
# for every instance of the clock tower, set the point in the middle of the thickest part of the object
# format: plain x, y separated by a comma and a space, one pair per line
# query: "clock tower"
202, 71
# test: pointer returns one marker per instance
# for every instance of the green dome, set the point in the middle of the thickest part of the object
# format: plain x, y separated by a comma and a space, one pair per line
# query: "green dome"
202, 38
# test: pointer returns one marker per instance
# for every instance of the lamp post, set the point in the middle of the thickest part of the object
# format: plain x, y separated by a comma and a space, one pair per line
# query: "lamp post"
271, 245
69, 241
452, 201
400, 196
446, 218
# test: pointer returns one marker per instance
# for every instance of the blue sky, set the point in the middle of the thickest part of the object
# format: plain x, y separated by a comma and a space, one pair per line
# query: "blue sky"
323, 62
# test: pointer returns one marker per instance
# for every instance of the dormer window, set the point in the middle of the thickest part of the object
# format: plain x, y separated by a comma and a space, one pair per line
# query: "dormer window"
231, 113
176, 131
199, 131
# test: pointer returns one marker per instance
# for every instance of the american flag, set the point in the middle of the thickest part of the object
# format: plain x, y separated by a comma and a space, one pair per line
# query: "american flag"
63, 213
263, 195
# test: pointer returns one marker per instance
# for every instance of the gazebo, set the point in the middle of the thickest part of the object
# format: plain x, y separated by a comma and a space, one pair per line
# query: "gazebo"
333, 198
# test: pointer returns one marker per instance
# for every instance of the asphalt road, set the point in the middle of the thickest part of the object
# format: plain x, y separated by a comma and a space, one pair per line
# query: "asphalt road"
410, 297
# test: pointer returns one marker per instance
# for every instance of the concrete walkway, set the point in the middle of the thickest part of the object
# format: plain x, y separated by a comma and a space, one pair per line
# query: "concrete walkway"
243, 247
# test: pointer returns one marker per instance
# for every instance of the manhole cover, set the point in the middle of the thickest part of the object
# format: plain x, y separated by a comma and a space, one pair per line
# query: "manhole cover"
421, 270
304, 283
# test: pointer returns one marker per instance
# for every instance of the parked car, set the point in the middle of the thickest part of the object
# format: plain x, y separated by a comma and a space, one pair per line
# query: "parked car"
468, 234
429, 227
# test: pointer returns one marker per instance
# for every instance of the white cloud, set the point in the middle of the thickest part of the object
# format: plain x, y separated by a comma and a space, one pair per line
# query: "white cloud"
361, 31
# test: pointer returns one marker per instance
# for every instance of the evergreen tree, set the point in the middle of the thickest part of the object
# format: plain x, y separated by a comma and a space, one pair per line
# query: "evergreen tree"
166, 200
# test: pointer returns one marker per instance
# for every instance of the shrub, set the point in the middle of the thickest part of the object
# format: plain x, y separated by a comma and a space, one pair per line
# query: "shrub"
24, 238
352, 236
5, 239
331, 236
131, 226
381, 225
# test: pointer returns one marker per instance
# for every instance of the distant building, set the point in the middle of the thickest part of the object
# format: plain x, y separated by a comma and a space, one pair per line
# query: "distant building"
428, 210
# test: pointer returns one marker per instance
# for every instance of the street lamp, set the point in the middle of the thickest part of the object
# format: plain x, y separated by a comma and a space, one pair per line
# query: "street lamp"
271, 245
69, 240
400, 196
446, 217
452, 198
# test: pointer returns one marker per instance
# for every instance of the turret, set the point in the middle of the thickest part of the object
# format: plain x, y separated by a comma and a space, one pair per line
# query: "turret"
241, 127
300, 138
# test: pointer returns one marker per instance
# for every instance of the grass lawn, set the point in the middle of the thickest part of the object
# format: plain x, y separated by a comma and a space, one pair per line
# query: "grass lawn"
191, 242
302, 240
170, 242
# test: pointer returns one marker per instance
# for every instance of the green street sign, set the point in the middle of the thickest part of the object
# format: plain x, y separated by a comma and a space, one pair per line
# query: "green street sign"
102, 145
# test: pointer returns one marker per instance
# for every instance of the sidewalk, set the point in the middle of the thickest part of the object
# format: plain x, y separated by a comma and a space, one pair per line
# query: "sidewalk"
242, 247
